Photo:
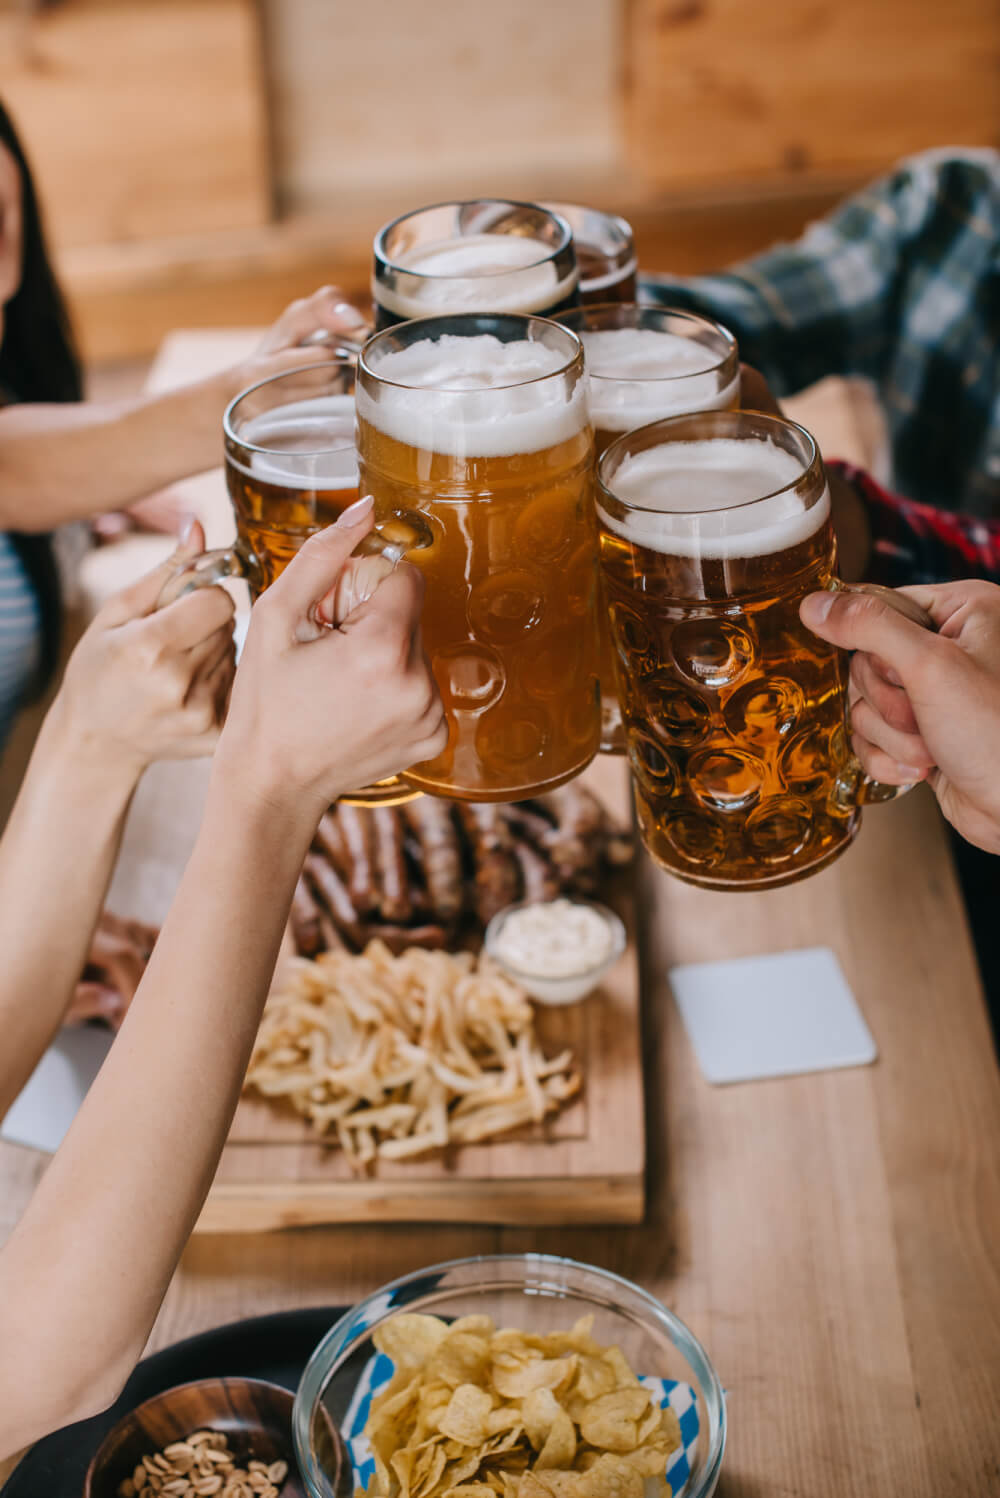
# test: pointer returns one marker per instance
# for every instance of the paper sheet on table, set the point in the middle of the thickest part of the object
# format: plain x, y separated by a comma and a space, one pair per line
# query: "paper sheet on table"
771, 1016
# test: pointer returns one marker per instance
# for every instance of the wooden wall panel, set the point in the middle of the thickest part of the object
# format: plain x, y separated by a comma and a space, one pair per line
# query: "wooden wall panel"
141, 120
405, 102
731, 90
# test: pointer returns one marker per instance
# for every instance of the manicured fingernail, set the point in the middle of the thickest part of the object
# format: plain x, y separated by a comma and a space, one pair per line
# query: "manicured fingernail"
815, 607
355, 513
911, 772
349, 314
187, 528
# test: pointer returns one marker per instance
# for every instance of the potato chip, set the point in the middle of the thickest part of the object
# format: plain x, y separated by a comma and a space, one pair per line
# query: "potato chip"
539, 1410
514, 1379
610, 1421
466, 1415
471, 1412
460, 1358
409, 1339
612, 1477
560, 1444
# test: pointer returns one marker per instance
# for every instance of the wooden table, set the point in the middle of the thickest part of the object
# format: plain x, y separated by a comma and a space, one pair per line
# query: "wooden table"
832, 1239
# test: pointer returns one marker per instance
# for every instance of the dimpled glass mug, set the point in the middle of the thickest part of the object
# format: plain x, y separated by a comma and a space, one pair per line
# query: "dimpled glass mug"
713, 528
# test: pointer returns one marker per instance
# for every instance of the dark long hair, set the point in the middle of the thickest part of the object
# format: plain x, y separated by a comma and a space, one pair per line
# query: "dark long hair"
38, 362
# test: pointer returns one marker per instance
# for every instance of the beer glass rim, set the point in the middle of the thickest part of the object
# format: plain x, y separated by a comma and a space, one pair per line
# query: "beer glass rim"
584, 311
383, 258
712, 418
274, 379
576, 356
562, 210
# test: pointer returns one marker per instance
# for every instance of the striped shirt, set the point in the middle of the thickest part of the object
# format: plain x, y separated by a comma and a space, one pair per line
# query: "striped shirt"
20, 635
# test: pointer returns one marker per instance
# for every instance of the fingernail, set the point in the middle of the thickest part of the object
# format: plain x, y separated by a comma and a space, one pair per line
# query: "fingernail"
910, 771
349, 314
355, 513
892, 677
815, 607
187, 528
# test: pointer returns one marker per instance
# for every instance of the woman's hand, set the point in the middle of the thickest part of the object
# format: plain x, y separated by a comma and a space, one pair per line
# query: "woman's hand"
144, 685
926, 706
329, 707
306, 333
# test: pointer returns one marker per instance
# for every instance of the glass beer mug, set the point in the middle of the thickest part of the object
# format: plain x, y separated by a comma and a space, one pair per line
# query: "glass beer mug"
479, 424
291, 470
644, 363
481, 255
713, 527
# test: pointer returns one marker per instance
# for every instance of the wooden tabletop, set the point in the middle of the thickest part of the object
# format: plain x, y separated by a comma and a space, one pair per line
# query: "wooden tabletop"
832, 1239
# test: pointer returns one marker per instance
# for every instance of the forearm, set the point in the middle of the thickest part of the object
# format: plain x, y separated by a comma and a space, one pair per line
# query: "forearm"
56, 858
65, 462
131, 1176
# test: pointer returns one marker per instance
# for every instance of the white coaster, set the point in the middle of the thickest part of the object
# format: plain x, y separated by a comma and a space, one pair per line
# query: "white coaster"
771, 1016
50, 1098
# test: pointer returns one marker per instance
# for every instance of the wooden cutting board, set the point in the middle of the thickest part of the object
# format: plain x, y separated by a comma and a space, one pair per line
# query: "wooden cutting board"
584, 1166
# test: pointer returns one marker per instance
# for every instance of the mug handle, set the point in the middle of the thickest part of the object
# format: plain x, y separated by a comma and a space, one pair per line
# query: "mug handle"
854, 787
392, 539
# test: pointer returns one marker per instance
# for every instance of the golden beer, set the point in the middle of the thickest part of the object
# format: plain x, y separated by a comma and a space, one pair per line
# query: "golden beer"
480, 425
291, 464
712, 530
292, 470
646, 363
484, 255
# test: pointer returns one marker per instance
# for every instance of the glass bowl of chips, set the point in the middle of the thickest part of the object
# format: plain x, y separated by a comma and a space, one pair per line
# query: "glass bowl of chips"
510, 1376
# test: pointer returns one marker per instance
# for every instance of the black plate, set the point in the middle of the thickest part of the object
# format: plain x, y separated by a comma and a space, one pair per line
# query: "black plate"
275, 1348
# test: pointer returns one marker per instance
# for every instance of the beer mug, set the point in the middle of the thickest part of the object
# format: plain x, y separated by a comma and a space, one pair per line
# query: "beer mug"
605, 253
480, 425
291, 470
713, 528
645, 363
485, 255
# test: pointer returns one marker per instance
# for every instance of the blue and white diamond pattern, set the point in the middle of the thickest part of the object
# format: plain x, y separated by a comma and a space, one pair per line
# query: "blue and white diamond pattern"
378, 1371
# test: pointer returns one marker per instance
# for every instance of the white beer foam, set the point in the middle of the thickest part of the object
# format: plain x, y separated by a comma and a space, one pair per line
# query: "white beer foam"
641, 374
314, 442
697, 499
474, 397
475, 273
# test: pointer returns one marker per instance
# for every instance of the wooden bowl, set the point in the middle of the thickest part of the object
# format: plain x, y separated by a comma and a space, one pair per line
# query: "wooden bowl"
256, 1418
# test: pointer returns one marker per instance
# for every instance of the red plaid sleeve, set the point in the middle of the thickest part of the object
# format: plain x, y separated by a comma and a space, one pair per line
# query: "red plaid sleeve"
915, 543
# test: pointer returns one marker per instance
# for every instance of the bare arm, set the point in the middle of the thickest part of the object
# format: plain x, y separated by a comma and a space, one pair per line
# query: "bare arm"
137, 688
121, 1196
66, 462
119, 1200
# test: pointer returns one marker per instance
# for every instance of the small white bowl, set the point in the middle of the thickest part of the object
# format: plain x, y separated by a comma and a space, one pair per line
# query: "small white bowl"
564, 988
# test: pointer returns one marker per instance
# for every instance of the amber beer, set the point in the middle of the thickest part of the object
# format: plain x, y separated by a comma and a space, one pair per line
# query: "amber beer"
605, 253
292, 470
712, 530
480, 423
645, 363
483, 255
291, 465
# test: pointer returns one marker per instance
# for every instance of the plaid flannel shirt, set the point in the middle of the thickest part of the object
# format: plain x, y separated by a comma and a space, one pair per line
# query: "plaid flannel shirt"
899, 285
